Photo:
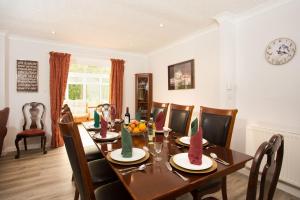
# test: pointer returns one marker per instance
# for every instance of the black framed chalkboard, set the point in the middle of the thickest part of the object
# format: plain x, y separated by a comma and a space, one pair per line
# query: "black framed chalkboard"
27, 76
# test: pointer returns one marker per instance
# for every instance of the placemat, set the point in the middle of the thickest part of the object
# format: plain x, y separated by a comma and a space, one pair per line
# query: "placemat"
128, 163
212, 168
104, 139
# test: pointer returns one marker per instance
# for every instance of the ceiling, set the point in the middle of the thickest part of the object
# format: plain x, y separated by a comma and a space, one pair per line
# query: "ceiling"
127, 25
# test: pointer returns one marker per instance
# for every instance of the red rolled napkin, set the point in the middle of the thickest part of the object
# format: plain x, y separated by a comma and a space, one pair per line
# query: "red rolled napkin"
195, 150
104, 125
160, 121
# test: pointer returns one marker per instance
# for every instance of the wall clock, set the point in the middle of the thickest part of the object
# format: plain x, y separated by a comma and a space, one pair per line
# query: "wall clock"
280, 51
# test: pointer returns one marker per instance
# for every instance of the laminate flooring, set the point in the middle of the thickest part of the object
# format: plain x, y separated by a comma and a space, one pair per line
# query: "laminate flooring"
47, 177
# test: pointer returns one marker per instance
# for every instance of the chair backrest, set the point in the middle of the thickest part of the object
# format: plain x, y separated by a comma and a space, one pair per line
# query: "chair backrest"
273, 150
66, 109
159, 107
104, 109
33, 115
180, 118
4, 116
75, 151
217, 125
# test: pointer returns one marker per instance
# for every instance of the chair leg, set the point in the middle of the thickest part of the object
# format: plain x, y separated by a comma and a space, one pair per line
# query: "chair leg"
44, 138
17, 146
195, 195
25, 143
224, 188
76, 196
42, 142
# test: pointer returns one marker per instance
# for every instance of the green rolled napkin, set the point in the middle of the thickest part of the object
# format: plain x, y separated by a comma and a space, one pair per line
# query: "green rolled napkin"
96, 119
126, 143
194, 126
138, 116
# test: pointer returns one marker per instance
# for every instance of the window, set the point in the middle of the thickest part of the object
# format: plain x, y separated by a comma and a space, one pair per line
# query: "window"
88, 85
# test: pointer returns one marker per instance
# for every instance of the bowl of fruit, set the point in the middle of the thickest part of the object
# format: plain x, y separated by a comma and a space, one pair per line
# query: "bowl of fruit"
137, 127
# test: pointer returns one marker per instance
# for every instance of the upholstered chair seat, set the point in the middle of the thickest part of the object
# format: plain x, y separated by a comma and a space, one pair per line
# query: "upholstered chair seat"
112, 191
33, 132
101, 172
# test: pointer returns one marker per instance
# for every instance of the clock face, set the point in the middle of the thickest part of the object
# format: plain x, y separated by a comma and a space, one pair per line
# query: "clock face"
280, 51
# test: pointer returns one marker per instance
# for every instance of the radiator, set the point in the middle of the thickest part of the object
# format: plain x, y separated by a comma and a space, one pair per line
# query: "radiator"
256, 135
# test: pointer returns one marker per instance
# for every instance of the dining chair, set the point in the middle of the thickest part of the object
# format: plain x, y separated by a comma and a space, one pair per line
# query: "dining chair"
91, 151
159, 107
273, 152
180, 118
3, 129
85, 174
217, 125
99, 177
104, 109
33, 114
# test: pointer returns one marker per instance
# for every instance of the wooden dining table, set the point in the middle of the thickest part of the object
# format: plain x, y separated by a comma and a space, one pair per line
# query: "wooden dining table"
156, 181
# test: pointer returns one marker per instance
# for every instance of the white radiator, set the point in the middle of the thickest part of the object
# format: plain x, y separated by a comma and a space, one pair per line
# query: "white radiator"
256, 135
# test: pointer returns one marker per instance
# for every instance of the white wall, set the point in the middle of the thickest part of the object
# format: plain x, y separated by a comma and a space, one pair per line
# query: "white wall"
204, 49
28, 49
2, 70
267, 94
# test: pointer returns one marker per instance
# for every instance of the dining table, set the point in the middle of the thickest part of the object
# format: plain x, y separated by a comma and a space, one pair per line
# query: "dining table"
156, 181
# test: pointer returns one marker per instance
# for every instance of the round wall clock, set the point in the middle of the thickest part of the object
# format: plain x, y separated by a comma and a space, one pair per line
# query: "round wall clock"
280, 51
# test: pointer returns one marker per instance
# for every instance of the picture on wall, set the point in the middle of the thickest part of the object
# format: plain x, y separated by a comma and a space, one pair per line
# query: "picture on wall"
181, 75
27, 76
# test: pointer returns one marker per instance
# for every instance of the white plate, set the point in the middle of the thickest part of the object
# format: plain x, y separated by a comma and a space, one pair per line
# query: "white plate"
186, 140
136, 155
109, 136
182, 160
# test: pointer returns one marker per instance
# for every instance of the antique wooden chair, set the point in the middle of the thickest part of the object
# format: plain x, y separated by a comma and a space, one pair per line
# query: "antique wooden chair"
82, 171
180, 118
217, 125
273, 151
91, 151
3, 130
33, 125
159, 107
105, 109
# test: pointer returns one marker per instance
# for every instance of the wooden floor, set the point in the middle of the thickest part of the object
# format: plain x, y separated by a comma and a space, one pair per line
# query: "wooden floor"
44, 177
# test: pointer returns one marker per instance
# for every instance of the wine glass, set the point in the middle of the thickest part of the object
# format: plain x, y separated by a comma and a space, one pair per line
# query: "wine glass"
158, 148
166, 134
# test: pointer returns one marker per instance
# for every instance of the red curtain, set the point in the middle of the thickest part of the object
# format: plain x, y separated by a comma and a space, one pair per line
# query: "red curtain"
116, 85
59, 68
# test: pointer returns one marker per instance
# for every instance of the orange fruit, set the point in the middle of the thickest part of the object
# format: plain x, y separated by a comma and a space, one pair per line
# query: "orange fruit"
132, 125
142, 127
136, 130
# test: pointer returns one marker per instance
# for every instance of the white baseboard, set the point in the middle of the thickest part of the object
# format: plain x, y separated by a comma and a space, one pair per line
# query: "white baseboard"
29, 146
293, 190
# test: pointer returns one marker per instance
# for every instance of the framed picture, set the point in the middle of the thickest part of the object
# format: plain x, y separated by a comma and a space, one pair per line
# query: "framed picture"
181, 75
27, 76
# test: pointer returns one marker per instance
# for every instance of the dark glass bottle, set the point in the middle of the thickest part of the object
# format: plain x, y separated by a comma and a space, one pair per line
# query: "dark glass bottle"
127, 116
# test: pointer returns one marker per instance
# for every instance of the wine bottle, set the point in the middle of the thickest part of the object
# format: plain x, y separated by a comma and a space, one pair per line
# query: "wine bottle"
127, 116
151, 129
